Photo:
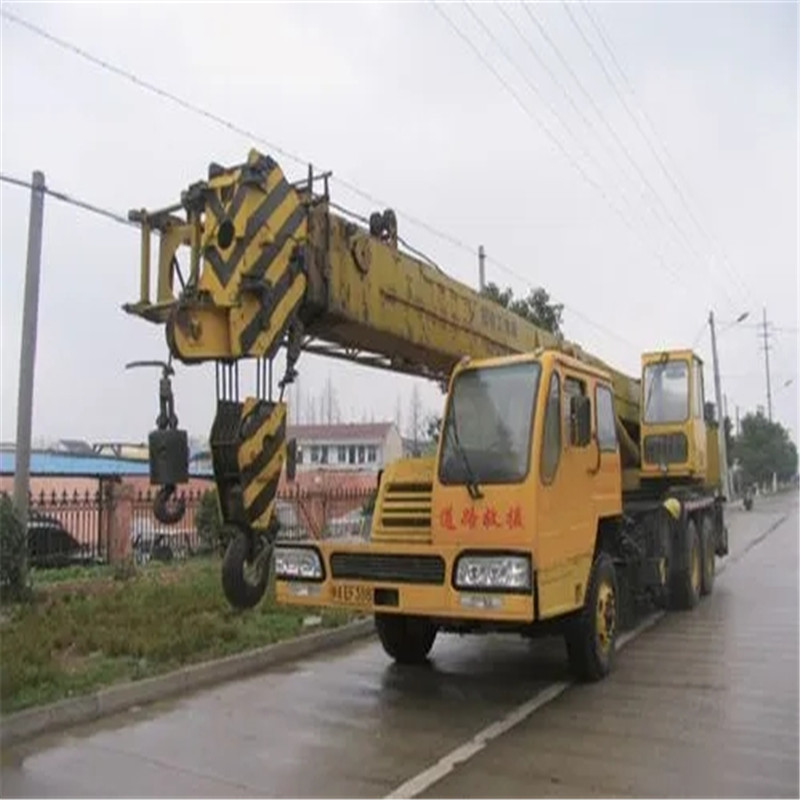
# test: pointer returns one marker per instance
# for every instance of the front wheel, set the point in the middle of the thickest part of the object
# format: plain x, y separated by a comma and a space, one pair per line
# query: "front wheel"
592, 635
406, 639
245, 571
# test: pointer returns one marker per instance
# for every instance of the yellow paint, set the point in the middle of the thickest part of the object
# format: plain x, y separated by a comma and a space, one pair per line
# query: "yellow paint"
562, 588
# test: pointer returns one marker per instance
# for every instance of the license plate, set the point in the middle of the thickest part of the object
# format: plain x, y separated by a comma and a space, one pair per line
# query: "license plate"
352, 595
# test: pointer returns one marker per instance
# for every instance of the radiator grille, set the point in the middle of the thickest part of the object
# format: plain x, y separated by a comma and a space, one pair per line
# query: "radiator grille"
390, 568
666, 448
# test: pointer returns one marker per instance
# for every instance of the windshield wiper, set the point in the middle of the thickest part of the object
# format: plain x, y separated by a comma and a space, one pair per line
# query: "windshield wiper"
472, 484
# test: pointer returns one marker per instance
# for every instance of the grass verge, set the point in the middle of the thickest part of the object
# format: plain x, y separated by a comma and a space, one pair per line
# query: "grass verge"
86, 631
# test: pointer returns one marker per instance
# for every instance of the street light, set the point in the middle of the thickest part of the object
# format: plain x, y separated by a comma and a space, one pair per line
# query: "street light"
723, 450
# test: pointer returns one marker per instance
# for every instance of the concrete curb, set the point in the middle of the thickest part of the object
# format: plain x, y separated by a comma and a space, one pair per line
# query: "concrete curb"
73, 711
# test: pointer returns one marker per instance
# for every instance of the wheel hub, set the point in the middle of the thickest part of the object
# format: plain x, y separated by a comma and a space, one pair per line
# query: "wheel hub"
605, 616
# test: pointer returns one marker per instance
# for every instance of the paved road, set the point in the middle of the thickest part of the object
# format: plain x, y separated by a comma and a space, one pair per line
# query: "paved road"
700, 704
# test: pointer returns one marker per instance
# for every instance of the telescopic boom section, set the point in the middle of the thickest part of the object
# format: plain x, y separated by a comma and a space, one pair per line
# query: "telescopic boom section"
270, 265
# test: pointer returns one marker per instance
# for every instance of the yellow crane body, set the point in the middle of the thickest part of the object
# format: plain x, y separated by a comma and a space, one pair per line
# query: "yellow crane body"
554, 476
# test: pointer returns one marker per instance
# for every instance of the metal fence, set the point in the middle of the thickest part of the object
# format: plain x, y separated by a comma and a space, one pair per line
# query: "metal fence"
151, 539
67, 528
72, 528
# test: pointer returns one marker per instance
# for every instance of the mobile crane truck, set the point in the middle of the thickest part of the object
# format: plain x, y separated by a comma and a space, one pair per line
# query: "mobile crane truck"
561, 488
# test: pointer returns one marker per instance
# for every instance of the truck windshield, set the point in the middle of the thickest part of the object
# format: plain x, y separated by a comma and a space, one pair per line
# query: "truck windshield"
666, 392
486, 436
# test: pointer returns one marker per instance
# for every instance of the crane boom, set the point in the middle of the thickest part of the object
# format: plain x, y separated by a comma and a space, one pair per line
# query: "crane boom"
272, 265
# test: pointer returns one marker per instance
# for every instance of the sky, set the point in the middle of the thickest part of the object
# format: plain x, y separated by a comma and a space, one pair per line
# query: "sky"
642, 199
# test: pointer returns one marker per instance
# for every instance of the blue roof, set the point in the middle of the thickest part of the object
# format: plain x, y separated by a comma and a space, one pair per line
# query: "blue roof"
62, 464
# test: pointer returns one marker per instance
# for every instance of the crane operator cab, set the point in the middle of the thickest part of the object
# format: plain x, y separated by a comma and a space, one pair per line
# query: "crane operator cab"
679, 433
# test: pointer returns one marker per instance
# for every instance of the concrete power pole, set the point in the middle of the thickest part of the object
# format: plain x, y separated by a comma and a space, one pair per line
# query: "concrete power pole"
481, 268
30, 314
723, 450
765, 337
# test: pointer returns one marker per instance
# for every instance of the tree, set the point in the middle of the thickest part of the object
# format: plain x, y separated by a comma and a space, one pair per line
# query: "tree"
14, 583
415, 418
764, 448
536, 307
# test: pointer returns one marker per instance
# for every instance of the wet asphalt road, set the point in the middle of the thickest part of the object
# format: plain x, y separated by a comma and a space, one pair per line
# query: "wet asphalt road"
701, 704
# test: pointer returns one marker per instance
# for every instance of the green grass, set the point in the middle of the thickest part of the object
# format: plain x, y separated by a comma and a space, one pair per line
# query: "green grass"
85, 632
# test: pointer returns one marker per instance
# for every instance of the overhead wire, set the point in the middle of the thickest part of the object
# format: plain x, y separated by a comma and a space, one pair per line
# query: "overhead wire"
273, 146
532, 115
605, 39
554, 111
65, 198
670, 217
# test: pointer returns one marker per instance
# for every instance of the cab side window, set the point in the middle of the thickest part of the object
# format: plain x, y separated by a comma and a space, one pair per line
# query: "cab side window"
551, 439
572, 386
605, 423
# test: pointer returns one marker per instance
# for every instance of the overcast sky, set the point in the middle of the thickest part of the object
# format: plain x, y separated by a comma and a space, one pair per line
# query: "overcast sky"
393, 100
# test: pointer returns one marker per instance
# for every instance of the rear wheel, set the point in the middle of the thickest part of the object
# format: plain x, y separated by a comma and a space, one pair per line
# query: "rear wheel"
686, 580
591, 636
406, 639
707, 550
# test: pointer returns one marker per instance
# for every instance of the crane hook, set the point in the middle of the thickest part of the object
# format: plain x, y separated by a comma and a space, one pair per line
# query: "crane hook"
168, 449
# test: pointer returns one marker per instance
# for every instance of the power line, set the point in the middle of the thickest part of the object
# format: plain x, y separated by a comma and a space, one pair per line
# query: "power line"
605, 39
558, 144
616, 90
554, 111
65, 198
235, 128
598, 111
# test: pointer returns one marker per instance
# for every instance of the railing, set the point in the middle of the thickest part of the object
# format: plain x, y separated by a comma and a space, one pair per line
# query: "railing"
151, 539
67, 528
70, 528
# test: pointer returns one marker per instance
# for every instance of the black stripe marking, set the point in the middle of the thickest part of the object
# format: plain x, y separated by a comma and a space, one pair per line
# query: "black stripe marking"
215, 205
268, 451
256, 221
271, 296
270, 253
265, 497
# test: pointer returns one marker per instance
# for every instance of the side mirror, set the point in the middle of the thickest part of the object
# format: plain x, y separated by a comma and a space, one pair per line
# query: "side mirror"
291, 459
709, 414
580, 413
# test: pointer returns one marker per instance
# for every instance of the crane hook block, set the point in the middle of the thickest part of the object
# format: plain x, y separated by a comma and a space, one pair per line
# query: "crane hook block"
169, 457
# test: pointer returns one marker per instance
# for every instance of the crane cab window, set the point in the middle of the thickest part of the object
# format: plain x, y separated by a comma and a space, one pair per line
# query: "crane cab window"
605, 424
697, 390
666, 392
572, 387
551, 438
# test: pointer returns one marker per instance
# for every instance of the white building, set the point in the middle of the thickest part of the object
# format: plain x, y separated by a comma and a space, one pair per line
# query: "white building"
346, 446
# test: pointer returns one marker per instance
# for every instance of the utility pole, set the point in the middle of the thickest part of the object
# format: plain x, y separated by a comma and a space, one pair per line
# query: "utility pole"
481, 268
738, 429
723, 450
27, 357
765, 336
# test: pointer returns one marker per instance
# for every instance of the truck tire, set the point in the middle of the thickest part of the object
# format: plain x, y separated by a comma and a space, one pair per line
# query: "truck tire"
406, 639
591, 636
686, 578
244, 581
707, 551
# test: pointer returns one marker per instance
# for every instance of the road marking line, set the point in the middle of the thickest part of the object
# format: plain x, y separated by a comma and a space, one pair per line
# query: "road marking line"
445, 765
427, 778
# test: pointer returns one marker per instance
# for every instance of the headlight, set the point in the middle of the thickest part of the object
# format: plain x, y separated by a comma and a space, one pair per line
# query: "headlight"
298, 563
512, 573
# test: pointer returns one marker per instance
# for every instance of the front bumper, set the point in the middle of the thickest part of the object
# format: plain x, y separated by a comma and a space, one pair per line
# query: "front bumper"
402, 579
